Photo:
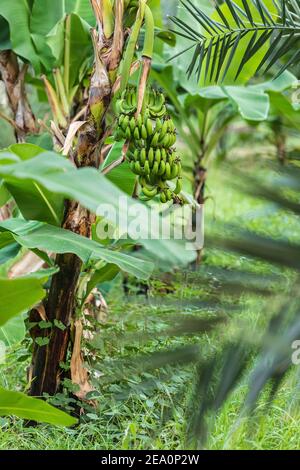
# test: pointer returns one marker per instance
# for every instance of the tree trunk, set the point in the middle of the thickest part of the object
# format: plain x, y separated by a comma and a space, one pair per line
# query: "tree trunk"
199, 194
46, 372
23, 119
14, 81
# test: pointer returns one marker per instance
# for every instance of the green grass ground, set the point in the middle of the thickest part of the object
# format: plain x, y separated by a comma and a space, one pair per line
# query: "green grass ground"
150, 412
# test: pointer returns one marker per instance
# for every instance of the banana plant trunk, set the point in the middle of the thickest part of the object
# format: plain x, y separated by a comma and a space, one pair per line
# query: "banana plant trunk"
46, 373
14, 81
23, 120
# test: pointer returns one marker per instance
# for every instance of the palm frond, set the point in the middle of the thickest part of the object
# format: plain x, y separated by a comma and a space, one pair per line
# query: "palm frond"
217, 42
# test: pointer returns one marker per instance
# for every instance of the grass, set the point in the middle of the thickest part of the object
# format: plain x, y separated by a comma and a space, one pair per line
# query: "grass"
148, 411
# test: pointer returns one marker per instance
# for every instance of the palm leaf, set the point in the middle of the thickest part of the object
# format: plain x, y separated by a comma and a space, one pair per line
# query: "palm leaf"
218, 42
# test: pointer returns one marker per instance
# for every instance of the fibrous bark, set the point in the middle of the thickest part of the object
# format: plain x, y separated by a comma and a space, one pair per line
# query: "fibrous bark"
14, 79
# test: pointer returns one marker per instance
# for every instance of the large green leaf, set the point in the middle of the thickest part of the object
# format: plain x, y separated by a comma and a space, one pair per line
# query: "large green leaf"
284, 82
44, 16
82, 8
18, 404
13, 331
94, 191
17, 295
17, 14
71, 45
80, 47
105, 274
8, 251
49, 238
25, 151
34, 201
252, 101
252, 105
55, 40
4, 35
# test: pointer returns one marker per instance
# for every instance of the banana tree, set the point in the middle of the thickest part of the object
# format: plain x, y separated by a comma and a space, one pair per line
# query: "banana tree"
87, 55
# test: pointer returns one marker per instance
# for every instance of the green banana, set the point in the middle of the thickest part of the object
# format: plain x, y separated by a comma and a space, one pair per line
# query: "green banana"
133, 99
121, 119
169, 195
172, 126
155, 139
159, 103
151, 156
150, 192
128, 133
172, 158
132, 124
164, 130
139, 121
147, 168
173, 139
142, 181
160, 113
130, 156
125, 108
155, 168
159, 125
174, 171
168, 171
162, 168
143, 157
136, 134
158, 156
144, 133
163, 198
138, 169
125, 123
165, 142
149, 127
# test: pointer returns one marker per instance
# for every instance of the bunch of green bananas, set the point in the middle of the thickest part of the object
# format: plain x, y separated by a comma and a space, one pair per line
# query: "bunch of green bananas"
151, 136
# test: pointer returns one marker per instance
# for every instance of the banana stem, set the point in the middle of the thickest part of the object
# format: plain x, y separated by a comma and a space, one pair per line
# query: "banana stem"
61, 91
147, 57
129, 54
134, 68
146, 67
108, 18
